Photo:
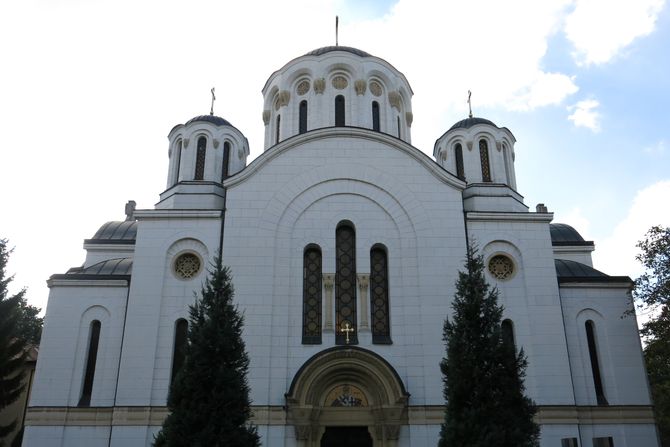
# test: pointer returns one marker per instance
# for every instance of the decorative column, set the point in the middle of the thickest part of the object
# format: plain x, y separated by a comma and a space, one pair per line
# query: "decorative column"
328, 283
363, 284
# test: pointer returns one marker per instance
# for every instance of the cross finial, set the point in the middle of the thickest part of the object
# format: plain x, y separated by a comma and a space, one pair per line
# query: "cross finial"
337, 25
470, 102
347, 329
211, 111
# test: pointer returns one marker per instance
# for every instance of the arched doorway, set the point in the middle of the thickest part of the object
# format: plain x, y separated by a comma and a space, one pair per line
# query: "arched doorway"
341, 394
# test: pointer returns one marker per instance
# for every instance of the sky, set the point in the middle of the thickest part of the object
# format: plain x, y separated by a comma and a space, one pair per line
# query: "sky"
89, 90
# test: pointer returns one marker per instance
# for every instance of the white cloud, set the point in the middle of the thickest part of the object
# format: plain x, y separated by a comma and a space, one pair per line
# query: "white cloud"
615, 255
600, 29
657, 150
576, 219
586, 115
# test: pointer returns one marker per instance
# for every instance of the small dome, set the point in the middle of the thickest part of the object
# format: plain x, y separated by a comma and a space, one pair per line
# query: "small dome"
563, 234
469, 122
324, 50
574, 269
216, 120
116, 232
118, 266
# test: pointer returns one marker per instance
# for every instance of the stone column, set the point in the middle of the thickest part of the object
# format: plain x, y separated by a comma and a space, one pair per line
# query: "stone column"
363, 284
328, 283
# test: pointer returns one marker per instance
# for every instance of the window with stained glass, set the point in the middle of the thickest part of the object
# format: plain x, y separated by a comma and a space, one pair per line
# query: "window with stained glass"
345, 284
201, 153
311, 296
484, 157
379, 296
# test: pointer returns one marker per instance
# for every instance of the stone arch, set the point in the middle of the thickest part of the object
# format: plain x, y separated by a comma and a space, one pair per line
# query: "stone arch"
384, 411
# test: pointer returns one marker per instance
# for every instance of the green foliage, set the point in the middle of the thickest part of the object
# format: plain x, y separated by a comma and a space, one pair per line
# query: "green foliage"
209, 398
483, 373
653, 290
13, 348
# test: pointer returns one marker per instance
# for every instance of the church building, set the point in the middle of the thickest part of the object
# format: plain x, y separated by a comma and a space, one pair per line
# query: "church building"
344, 242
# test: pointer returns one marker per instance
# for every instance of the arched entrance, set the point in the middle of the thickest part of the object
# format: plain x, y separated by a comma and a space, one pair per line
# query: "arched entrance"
341, 393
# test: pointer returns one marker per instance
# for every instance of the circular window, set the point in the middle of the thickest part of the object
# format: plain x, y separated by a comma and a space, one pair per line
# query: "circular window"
340, 82
187, 266
375, 88
501, 267
303, 87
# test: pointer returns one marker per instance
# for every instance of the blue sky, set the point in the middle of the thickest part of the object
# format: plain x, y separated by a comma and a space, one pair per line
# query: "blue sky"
90, 90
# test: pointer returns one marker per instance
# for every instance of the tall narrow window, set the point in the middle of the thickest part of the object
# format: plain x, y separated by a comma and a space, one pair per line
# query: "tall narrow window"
484, 157
379, 296
311, 296
339, 111
508, 176
345, 284
302, 118
91, 357
507, 332
226, 161
277, 129
458, 152
375, 116
595, 366
177, 161
201, 152
399, 127
179, 349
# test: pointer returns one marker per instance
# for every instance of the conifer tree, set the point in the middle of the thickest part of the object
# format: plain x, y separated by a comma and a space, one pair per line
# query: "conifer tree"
13, 349
209, 398
482, 372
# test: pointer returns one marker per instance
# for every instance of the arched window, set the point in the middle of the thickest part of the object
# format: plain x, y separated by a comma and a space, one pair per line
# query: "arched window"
484, 157
277, 129
345, 284
379, 296
595, 365
302, 118
311, 296
91, 357
177, 161
458, 152
339, 111
398, 127
226, 161
375, 116
179, 348
508, 175
201, 152
507, 333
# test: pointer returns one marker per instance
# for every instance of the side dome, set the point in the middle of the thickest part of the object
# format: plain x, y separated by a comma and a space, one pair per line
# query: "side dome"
336, 86
478, 151
564, 234
115, 232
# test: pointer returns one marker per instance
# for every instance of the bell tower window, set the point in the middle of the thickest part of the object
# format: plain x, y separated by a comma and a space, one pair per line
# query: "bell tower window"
458, 152
302, 117
339, 111
201, 152
398, 120
91, 358
484, 157
277, 129
179, 348
595, 365
345, 284
375, 116
226, 161
177, 161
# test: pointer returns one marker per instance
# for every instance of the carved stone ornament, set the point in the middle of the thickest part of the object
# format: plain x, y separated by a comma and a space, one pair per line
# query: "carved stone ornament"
340, 82
360, 85
392, 432
266, 117
409, 117
319, 85
375, 88
303, 87
186, 142
283, 98
498, 146
443, 154
216, 143
302, 432
469, 144
394, 100
240, 154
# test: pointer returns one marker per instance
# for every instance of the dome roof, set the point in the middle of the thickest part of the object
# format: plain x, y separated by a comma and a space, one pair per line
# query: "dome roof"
469, 122
216, 120
563, 234
118, 266
572, 271
324, 50
115, 232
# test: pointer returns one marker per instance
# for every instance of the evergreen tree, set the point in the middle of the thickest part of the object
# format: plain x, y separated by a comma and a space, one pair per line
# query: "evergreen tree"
483, 373
209, 397
13, 349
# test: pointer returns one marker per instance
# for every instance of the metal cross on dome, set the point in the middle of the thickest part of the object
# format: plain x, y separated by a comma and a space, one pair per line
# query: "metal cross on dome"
211, 111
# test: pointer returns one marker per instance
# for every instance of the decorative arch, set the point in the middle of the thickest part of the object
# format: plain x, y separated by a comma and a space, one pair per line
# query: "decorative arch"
382, 407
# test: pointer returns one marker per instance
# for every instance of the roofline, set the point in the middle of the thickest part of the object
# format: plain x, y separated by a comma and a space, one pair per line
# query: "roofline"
624, 280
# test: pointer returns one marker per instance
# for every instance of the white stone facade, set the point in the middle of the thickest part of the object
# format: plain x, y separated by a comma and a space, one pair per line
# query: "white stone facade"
263, 217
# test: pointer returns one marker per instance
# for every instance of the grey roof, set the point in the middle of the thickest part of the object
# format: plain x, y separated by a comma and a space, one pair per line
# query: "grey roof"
573, 271
117, 266
324, 50
563, 234
469, 122
217, 120
115, 232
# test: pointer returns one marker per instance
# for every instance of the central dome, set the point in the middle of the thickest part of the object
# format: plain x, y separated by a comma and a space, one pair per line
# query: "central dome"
324, 50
